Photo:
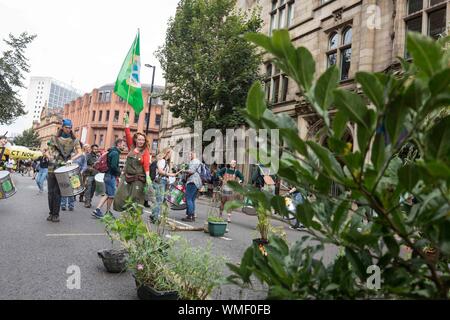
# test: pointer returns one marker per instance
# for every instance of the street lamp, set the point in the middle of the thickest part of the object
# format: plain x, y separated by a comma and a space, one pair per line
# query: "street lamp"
151, 93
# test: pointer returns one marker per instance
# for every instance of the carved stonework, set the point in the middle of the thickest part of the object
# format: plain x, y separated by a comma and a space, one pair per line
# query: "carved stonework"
338, 14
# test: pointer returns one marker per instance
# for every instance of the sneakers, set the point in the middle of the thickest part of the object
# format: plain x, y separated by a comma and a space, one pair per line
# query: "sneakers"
188, 219
97, 213
87, 205
63, 208
55, 218
49, 218
70, 209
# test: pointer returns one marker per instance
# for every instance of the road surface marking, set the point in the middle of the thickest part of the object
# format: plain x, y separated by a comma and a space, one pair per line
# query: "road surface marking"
181, 223
225, 238
74, 234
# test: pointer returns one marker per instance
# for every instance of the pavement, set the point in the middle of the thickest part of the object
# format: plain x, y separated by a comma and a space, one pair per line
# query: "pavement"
35, 254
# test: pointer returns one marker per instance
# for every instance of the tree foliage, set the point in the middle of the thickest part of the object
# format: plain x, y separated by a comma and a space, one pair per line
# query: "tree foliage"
208, 65
13, 64
389, 207
29, 138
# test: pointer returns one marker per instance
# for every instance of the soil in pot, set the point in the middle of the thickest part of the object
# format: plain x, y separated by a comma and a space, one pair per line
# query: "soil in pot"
217, 229
115, 261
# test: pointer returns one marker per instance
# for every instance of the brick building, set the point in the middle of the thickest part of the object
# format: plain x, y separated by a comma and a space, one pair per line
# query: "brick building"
98, 116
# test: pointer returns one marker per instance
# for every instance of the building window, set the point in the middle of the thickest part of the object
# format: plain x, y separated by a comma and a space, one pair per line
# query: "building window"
100, 96
158, 120
93, 116
107, 116
136, 118
116, 116
107, 97
428, 17
340, 51
95, 138
154, 145
282, 15
100, 143
276, 85
100, 114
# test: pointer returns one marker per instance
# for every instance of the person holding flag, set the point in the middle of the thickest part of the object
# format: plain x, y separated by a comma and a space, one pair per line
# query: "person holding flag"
136, 177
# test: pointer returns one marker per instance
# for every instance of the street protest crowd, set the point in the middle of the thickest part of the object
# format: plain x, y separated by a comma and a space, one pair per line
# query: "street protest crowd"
72, 169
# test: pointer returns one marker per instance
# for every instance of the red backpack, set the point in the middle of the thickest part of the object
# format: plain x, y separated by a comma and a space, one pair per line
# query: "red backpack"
101, 165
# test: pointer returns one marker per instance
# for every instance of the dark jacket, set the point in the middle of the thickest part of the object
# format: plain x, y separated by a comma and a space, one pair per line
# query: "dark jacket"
113, 162
91, 158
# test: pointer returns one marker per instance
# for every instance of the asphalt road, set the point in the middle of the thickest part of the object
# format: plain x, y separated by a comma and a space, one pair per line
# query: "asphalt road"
35, 254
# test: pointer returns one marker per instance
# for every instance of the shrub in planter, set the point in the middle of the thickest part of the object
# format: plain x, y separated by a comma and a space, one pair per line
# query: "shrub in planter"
217, 226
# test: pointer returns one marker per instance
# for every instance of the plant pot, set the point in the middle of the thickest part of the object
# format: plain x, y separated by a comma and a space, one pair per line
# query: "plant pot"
146, 292
115, 261
217, 229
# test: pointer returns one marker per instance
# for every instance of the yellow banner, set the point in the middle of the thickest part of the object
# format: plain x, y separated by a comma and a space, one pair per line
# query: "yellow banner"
20, 153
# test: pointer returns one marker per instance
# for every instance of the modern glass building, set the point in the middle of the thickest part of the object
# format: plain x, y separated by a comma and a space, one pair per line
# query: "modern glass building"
48, 91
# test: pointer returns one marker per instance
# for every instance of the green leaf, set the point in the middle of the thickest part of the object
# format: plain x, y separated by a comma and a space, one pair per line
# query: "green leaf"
307, 68
378, 152
440, 82
353, 105
356, 263
260, 39
396, 113
256, 103
340, 123
328, 161
425, 51
232, 205
438, 141
444, 237
408, 176
323, 90
372, 88
340, 216
392, 245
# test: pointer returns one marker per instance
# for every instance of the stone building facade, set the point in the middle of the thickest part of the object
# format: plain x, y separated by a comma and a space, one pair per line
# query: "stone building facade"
356, 35
50, 122
98, 116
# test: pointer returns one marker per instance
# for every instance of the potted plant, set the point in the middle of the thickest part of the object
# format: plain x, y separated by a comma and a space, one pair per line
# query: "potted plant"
196, 271
148, 262
126, 228
217, 226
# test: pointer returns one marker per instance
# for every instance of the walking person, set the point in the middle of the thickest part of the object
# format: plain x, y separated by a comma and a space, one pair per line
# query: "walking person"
89, 175
110, 179
82, 163
229, 173
161, 179
64, 148
136, 175
193, 184
42, 173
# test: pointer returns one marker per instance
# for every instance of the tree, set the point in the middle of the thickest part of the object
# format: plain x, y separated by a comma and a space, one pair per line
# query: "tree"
29, 138
13, 64
208, 65
389, 207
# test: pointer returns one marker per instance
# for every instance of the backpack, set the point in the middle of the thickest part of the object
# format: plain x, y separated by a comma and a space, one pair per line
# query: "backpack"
101, 165
205, 173
153, 168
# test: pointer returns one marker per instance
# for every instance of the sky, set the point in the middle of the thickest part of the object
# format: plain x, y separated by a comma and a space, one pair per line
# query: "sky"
84, 42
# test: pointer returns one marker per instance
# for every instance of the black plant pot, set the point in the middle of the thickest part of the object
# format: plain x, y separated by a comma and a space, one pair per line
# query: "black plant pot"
146, 292
260, 241
115, 261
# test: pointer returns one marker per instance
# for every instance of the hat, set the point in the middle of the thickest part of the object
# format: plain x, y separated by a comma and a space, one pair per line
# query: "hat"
67, 123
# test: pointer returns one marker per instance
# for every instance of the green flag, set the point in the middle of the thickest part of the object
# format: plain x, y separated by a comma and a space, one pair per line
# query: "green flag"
128, 83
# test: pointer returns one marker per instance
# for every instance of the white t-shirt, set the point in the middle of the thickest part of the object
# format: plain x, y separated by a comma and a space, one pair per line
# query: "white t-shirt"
162, 164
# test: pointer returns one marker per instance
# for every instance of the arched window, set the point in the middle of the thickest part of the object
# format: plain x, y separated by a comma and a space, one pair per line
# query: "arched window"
333, 42
347, 36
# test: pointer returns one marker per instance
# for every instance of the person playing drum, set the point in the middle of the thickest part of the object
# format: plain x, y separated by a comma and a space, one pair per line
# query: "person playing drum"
136, 176
63, 148
229, 173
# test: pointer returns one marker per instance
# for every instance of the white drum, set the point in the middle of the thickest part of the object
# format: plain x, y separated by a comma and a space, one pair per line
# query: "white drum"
7, 188
69, 180
100, 184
